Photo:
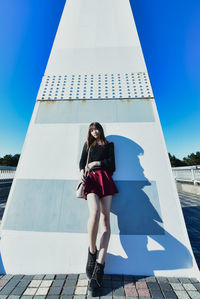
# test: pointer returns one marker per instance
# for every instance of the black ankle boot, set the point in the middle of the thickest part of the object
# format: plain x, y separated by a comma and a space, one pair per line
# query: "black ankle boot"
90, 262
97, 276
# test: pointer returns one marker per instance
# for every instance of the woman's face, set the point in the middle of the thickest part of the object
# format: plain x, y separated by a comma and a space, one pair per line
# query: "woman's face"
95, 133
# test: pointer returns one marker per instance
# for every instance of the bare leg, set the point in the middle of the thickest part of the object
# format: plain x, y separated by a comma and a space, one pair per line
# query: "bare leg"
93, 221
105, 204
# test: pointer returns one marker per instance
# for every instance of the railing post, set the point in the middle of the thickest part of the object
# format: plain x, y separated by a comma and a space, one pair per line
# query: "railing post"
193, 178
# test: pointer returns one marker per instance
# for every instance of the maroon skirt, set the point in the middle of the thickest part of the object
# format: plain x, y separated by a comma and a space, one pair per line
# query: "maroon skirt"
100, 183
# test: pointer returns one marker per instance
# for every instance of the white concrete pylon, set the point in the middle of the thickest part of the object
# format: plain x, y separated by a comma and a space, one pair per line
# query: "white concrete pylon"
96, 72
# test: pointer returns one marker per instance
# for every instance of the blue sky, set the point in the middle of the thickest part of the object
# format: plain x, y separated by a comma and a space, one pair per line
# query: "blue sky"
169, 36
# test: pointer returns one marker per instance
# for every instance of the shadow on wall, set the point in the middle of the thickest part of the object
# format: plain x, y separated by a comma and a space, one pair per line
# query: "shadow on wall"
138, 213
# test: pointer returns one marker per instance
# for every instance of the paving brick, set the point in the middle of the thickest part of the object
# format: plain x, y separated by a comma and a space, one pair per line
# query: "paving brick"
58, 283
27, 277
128, 284
184, 279
131, 292
150, 278
30, 291
82, 276
68, 291
3, 296
38, 297
197, 286
27, 297
23, 283
82, 282
35, 283
51, 297
194, 294
42, 291
15, 280
7, 289
49, 276
46, 283
18, 291
153, 285
12, 283
104, 297
182, 294
38, 277
65, 297
168, 294
7, 276
173, 279
165, 286
141, 285
3, 283
156, 294
18, 276
70, 283
80, 290
55, 290
194, 279
79, 297
177, 286
60, 276
119, 292
189, 287
72, 276
143, 293
161, 279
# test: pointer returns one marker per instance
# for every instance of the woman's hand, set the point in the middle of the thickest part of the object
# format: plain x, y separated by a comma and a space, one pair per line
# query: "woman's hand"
83, 179
93, 164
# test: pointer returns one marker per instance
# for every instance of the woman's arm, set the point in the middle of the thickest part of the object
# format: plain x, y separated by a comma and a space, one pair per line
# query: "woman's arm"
83, 159
109, 163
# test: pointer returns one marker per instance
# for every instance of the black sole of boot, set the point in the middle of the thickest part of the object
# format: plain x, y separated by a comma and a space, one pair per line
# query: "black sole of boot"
93, 285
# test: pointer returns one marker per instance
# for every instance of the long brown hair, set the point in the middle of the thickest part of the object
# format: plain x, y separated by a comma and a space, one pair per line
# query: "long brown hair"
91, 141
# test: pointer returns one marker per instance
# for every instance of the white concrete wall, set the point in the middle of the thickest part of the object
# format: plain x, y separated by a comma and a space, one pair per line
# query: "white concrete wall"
44, 228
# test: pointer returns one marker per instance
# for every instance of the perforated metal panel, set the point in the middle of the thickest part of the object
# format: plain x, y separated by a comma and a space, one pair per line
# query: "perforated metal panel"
95, 86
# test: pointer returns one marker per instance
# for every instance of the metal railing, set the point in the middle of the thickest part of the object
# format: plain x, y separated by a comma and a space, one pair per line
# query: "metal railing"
183, 173
187, 174
7, 172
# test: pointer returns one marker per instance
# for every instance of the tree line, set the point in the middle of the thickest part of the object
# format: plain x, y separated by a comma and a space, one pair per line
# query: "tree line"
192, 159
9, 160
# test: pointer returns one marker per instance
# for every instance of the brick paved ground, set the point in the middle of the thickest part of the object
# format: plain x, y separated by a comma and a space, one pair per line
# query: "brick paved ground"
75, 286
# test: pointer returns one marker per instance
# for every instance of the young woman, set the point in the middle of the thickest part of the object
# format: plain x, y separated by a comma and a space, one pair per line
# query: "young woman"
99, 188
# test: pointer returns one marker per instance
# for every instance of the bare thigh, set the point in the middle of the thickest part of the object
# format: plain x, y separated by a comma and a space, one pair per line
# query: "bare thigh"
93, 203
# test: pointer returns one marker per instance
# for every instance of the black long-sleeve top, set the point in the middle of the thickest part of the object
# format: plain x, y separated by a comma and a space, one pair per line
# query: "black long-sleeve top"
103, 153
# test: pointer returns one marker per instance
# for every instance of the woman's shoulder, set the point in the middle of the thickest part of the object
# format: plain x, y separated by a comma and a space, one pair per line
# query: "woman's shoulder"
111, 143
